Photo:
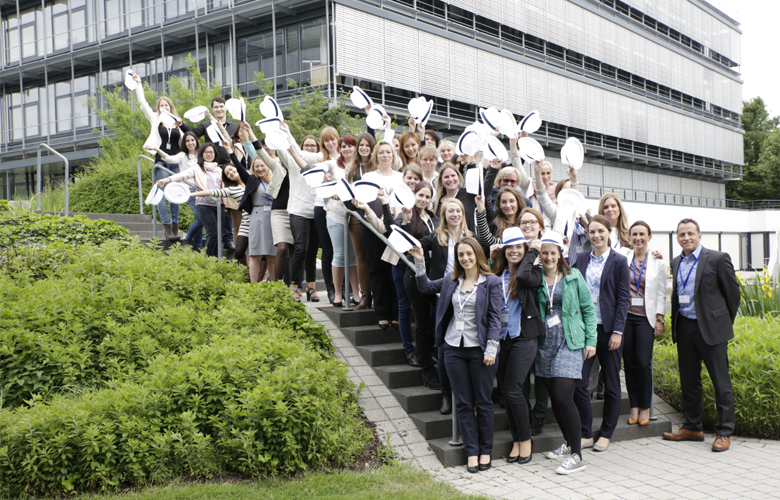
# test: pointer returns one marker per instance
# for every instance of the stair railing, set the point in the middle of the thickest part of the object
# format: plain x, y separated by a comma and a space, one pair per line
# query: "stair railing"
155, 168
67, 177
140, 187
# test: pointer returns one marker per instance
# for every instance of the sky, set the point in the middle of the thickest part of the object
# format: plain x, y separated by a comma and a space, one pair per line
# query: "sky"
760, 71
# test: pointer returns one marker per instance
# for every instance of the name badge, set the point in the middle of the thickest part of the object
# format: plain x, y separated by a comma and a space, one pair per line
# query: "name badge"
505, 318
637, 301
168, 146
267, 208
594, 298
685, 299
553, 320
460, 325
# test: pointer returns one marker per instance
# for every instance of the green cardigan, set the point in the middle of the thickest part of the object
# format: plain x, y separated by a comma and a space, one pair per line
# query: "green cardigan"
579, 317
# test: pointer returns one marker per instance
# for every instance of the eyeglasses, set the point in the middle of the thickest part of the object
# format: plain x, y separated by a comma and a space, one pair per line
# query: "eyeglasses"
529, 222
508, 181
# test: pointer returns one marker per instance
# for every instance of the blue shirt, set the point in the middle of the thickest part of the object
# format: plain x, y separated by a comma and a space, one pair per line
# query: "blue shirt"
511, 307
593, 279
688, 264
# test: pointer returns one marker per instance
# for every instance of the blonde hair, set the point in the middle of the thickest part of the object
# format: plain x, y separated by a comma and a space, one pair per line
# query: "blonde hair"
503, 173
375, 153
428, 152
622, 225
445, 143
327, 133
440, 190
170, 103
441, 232
267, 176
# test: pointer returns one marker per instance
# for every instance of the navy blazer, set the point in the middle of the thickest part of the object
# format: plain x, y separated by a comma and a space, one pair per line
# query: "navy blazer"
251, 183
615, 295
488, 306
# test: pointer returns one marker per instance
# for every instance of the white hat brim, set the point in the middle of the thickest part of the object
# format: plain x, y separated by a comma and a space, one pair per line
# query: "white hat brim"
530, 149
531, 122
196, 114
269, 108
276, 139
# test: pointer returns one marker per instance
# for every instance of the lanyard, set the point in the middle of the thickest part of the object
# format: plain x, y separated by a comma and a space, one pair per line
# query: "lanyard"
637, 281
468, 297
550, 291
503, 285
267, 198
679, 271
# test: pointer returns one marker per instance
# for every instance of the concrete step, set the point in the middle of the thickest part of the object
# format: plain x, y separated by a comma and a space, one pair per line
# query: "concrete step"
384, 354
550, 439
395, 376
434, 425
348, 319
369, 335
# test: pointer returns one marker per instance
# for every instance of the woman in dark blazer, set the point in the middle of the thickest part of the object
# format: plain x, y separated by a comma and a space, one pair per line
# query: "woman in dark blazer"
606, 274
521, 325
468, 320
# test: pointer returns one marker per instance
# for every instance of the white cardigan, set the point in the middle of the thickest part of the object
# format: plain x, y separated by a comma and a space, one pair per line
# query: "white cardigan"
154, 140
655, 286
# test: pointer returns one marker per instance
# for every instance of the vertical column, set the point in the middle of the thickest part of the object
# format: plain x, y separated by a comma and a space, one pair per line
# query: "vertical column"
273, 39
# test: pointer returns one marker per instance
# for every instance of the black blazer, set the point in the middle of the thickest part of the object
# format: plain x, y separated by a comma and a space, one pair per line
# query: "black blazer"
716, 296
438, 258
615, 294
529, 279
251, 184
222, 154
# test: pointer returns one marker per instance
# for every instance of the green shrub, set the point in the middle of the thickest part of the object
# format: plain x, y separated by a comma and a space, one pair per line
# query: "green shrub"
30, 228
110, 310
754, 358
759, 296
4, 207
259, 404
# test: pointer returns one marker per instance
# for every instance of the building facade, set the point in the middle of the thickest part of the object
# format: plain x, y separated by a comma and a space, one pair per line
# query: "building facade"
651, 88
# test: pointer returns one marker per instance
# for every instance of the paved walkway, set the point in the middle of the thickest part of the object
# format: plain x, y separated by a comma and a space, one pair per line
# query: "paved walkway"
645, 468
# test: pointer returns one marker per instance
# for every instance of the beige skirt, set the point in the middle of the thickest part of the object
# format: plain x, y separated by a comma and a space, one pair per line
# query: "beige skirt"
280, 226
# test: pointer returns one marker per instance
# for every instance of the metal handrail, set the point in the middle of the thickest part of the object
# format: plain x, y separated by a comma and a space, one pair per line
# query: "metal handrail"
67, 176
194, 186
346, 246
140, 187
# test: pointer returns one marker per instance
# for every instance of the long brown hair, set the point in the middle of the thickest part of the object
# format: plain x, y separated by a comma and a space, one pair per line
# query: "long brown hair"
537, 215
440, 190
418, 226
482, 263
622, 224
502, 264
408, 135
563, 264
502, 221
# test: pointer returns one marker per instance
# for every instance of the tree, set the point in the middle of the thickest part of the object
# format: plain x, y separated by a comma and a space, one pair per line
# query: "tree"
758, 127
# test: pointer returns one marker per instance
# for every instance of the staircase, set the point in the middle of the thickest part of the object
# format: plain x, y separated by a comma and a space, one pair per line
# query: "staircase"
383, 351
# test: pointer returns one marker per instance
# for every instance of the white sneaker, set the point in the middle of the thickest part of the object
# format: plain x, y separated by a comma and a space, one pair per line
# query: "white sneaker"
559, 454
571, 465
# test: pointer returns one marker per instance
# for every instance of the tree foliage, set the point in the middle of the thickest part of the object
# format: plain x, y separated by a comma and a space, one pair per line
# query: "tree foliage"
761, 172
109, 184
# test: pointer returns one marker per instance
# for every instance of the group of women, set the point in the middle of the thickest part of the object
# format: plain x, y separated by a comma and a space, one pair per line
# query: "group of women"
514, 297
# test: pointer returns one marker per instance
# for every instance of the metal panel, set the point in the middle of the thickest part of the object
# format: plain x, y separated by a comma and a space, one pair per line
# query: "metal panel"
401, 71
461, 82
489, 75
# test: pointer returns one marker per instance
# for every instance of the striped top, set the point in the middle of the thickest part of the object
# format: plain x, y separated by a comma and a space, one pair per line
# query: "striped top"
235, 192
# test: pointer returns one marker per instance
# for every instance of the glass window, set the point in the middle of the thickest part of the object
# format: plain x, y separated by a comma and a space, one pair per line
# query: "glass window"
78, 21
293, 54
114, 16
28, 41
81, 112
16, 124
64, 114
61, 31
32, 123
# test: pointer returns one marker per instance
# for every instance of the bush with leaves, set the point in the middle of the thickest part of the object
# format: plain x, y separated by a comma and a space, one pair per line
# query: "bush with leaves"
257, 404
26, 228
109, 311
754, 359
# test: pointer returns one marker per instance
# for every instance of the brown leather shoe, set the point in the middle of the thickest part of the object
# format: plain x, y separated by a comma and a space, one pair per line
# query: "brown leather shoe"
365, 302
721, 443
684, 435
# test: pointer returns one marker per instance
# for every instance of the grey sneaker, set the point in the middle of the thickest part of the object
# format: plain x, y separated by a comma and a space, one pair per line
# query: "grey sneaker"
559, 454
571, 465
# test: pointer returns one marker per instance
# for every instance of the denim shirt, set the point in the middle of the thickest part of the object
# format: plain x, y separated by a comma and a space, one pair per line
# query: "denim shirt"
512, 308
593, 279
688, 310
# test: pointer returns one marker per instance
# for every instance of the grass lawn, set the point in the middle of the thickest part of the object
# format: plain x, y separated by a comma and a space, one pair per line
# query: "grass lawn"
399, 482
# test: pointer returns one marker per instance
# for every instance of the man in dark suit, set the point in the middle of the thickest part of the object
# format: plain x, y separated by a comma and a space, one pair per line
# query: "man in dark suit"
705, 300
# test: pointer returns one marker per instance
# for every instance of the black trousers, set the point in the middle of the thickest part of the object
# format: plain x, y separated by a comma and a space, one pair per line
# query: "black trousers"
691, 351
306, 243
381, 273
207, 215
321, 223
515, 358
472, 386
638, 342
424, 308
610, 366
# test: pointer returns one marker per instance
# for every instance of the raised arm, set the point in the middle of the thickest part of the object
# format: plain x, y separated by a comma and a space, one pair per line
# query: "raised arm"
423, 283
139, 94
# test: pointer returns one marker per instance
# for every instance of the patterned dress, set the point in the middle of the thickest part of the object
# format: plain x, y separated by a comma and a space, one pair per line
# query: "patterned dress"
554, 359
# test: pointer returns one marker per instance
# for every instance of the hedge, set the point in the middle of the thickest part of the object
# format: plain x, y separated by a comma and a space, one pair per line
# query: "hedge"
754, 358
255, 404
113, 308
29, 228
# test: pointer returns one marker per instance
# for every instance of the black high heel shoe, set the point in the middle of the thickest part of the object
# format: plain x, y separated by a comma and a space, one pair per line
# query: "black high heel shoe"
311, 295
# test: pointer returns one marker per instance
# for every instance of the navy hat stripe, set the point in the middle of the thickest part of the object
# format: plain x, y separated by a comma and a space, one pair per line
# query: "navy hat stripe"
366, 183
428, 113
484, 117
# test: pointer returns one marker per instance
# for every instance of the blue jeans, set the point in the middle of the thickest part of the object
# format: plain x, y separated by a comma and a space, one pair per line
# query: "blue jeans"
404, 306
195, 233
162, 207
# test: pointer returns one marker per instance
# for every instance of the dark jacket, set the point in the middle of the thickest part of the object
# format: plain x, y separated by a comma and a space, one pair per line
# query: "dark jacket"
399, 221
251, 184
615, 294
716, 296
439, 254
488, 306
529, 279
222, 154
